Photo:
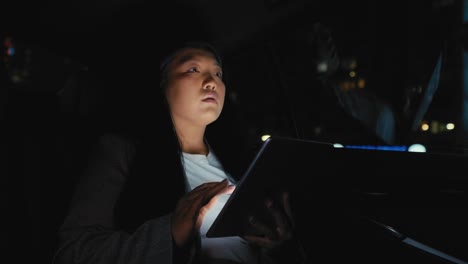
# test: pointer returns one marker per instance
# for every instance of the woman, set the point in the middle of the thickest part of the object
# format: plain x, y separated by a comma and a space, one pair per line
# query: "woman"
148, 197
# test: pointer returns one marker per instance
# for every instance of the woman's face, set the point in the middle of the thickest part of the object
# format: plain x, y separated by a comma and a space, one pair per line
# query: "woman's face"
195, 90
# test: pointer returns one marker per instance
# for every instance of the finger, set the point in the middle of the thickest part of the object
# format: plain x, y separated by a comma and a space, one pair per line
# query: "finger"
204, 210
227, 190
211, 203
201, 215
278, 217
287, 208
262, 228
189, 212
191, 207
195, 203
217, 189
208, 198
207, 185
261, 241
281, 219
203, 189
204, 197
192, 214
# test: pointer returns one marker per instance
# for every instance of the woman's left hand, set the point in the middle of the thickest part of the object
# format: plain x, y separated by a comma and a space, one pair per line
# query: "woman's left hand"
278, 242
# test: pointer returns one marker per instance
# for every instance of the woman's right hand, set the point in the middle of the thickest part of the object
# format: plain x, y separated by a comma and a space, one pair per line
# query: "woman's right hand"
192, 207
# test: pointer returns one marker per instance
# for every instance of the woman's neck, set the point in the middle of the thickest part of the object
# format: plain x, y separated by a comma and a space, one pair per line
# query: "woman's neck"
194, 147
192, 141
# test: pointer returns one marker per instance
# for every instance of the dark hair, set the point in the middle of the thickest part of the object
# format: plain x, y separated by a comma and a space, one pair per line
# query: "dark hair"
234, 154
167, 59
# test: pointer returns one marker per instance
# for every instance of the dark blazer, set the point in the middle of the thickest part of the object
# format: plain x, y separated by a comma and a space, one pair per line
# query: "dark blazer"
111, 219
121, 208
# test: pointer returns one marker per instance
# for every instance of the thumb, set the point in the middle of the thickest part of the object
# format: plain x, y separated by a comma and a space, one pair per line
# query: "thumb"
204, 209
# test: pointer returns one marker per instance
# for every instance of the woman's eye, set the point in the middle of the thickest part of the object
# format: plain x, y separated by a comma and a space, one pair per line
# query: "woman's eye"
219, 74
193, 69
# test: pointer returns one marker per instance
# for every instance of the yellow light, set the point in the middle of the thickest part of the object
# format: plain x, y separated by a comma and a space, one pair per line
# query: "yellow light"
361, 83
265, 137
450, 126
352, 74
424, 127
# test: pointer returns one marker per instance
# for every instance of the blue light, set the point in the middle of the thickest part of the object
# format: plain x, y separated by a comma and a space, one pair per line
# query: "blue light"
11, 51
465, 92
465, 11
388, 148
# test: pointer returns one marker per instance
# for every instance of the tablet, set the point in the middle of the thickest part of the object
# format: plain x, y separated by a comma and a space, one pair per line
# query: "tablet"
278, 166
319, 174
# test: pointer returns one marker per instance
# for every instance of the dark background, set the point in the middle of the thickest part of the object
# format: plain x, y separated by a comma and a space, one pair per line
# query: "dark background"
62, 86
269, 45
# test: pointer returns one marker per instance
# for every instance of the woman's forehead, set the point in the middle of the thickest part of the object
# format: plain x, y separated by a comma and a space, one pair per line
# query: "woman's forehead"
192, 54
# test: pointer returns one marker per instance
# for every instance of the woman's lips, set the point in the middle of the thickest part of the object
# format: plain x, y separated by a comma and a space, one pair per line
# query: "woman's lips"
211, 98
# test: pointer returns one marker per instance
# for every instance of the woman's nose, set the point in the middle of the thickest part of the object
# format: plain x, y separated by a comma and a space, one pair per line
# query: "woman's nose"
210, 83
210, 87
